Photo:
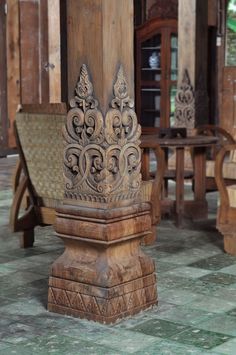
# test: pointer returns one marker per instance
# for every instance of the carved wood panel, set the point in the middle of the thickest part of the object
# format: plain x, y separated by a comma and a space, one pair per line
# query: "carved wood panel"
102, 158
185, 104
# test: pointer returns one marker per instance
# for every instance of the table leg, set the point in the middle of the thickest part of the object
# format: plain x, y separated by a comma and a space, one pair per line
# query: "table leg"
179, 205
199, 158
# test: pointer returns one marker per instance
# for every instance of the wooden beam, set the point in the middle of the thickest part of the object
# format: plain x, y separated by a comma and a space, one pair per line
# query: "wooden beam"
29, 51
3, 78
13, 65
43, 52
212, 12
54, 43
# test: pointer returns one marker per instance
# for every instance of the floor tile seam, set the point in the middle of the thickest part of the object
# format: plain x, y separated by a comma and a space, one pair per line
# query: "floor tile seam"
167, 273
214, 312
195, 325
201, 327
230, 337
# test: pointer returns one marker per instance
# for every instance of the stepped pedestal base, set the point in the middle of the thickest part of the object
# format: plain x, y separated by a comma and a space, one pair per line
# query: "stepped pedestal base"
103, 275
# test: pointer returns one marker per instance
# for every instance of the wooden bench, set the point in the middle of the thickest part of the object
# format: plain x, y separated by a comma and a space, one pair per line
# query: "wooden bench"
226, 214
39, 174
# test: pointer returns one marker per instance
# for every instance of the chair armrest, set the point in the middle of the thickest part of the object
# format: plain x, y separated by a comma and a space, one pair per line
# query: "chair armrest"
219, 178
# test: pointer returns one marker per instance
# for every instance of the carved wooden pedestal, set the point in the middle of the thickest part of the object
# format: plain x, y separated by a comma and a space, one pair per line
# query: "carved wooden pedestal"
103, 274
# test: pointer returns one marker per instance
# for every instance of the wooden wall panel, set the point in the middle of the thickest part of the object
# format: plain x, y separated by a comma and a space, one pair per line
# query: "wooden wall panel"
29, 49
54, 43
212, 12
3, 77
13, 65
43, 52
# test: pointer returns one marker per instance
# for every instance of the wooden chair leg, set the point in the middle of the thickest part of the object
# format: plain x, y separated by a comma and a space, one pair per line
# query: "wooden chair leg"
166, 187
230, 244
27, 238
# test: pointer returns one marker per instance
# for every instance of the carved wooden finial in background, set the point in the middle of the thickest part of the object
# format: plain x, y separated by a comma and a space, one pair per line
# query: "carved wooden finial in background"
185, 104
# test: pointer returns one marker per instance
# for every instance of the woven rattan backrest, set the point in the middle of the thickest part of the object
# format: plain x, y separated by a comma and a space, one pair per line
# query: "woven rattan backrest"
40, 138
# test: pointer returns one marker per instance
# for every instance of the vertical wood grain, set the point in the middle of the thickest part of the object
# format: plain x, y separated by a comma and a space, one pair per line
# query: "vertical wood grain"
3, 78
43, 52
54, 45
100, 34
13, 65
29, 51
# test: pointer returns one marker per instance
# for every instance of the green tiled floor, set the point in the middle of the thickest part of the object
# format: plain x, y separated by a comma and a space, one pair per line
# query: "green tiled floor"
196, 286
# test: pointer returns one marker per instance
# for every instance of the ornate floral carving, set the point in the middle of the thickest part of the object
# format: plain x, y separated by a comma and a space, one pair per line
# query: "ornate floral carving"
102, 155
185, 104
164, 9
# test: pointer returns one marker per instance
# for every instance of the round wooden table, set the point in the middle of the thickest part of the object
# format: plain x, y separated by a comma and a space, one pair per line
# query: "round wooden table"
198, 207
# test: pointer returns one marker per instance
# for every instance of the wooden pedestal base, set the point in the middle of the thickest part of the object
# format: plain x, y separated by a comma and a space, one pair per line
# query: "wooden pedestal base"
103, 275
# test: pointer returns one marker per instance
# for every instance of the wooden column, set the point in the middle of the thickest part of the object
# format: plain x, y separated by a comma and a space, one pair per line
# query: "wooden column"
13, 65
54, 51
103, 275
100, 34
3, 78
192, 58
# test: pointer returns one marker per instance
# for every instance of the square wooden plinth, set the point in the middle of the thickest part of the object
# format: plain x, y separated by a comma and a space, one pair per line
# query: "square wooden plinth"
103, 274
99, 304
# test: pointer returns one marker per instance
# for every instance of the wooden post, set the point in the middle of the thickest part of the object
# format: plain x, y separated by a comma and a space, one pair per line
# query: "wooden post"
192, 59
103, 275
3, 78
13, 66
100, 34
54, 51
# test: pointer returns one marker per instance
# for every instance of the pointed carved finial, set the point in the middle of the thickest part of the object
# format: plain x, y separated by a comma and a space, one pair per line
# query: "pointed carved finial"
122, 98
185, 104
84, 91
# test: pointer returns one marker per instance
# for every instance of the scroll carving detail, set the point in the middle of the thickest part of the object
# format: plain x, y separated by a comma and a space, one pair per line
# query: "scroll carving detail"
102, 158
185, 104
